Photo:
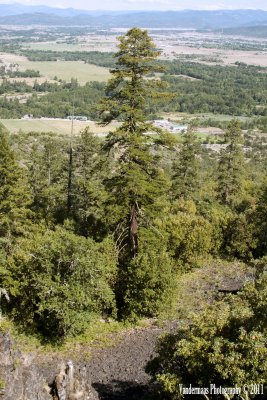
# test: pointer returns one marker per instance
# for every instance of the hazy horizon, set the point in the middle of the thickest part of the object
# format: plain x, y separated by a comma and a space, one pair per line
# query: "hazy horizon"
146, 5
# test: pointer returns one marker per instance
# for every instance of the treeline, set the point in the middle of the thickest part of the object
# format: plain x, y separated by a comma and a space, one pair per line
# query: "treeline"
246, 124
28, 73
11, 87
11, 71
57, 104
91, 57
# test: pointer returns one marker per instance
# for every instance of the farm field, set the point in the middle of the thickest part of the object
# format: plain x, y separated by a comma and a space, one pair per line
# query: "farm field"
182, 116
86, 43
62, 69
213, 48
59, 126
55, 46
226, 57
63, 127
68, 69
202, 47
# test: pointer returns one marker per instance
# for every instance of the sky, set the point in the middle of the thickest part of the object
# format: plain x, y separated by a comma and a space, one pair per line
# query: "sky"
147, 4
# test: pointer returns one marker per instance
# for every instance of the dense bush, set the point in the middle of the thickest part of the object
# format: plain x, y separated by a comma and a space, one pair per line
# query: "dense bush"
224, 345
57, 281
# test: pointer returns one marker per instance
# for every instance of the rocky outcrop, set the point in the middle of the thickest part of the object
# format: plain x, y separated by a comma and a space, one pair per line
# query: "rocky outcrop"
72, 383
27, 377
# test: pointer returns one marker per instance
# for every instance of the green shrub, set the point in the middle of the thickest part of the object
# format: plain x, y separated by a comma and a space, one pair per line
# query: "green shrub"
224, 345
58, 280
189, 234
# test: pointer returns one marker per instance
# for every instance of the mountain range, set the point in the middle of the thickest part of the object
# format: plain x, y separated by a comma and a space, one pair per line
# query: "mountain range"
18, 14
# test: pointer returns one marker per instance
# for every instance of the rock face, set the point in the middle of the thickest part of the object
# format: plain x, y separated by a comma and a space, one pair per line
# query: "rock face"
24, 377
72, 383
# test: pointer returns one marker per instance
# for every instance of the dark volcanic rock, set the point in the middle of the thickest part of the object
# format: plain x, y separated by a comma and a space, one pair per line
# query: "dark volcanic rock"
27, 377
118, 373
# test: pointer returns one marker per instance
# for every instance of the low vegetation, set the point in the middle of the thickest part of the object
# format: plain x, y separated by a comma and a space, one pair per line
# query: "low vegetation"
225, 345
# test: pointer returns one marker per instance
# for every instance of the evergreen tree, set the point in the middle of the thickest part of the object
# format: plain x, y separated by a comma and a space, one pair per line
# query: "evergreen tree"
231, 165
88, 193
260, 223
15, 195
185, 177
137, 186
48, 178
137, 181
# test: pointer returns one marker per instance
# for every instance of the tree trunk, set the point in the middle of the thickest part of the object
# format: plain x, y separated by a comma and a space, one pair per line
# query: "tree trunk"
133, 230
69, 194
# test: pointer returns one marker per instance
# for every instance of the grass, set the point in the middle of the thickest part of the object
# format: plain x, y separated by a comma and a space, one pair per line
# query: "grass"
199, 288
59, 126
54, 46
99, 334
68, 69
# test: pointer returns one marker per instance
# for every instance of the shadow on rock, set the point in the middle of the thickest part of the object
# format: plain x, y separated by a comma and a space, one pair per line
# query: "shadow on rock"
121, 390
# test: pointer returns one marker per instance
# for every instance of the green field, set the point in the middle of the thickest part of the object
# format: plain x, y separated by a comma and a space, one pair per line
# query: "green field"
59, 126
92, 43
68, 69
54, 46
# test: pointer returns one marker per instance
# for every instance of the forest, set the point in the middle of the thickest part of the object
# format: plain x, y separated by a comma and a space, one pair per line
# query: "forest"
107, 228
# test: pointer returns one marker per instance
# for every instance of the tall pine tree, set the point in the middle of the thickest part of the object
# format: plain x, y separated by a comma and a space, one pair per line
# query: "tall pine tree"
137, 186
137, 181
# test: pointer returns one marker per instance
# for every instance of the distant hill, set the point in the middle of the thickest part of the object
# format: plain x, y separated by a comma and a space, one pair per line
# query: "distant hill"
259, 31
42, 15
18, 9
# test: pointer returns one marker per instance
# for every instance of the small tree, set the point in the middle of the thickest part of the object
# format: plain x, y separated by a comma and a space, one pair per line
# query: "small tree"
260, 223
88, 192
48, 178
231, 165
186, 168
15, 195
